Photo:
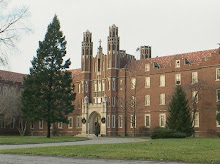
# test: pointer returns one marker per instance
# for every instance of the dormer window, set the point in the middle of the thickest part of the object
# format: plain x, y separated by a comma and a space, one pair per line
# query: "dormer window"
177, 65
156, 65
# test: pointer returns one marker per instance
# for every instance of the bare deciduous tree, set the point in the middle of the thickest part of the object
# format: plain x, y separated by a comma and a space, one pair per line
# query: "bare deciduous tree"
12, 25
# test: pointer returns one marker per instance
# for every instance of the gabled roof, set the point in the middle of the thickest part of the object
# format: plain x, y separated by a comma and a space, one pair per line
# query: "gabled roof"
11, 76
193, 57
75, 71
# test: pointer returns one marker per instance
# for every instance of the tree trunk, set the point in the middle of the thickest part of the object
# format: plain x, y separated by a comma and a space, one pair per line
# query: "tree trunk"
48, 129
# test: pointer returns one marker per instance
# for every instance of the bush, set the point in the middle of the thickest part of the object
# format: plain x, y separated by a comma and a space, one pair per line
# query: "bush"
166, 133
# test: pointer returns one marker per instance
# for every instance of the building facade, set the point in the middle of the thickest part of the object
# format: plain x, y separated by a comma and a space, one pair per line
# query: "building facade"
126, 96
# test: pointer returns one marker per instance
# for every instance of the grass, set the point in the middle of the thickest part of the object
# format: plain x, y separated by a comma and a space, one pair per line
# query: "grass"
36, 139
188, 150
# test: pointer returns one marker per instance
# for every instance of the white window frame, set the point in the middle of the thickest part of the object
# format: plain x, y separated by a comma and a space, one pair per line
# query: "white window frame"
120, 121
95, 86
120, 85
78, 122
133, 83
217, 122
217, 74
196, 120
194, 77
160, 119
162, 99
193, 96
177, 64
133, 101
147, 100
147, 82
41, 124
109, 84
70, 124
113, 121
108, 121
60, 125
217, 95
162, 81
147, 115
113, 101
147, 67
79, 87
113, 84
103, 85
178, 78
99, 86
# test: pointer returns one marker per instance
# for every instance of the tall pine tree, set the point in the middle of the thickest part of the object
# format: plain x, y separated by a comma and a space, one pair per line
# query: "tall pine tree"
179, 113
48, 89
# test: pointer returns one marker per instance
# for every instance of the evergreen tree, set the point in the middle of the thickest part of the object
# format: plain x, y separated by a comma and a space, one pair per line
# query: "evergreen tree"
48, 89
179, 113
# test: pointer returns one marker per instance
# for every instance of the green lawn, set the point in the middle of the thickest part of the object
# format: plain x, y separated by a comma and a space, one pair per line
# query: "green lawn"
189, 150
36, 139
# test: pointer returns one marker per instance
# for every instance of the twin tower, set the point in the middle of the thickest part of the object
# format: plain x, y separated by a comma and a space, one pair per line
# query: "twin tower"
114, 57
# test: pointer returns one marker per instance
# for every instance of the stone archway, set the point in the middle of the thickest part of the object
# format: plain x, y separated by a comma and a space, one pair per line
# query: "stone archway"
94, 118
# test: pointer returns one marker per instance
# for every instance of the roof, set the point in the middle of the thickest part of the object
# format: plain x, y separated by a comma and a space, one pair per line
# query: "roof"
11, 76
75, 71
193, 57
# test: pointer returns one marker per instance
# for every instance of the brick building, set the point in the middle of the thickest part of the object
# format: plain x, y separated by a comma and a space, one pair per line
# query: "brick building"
10, 89
125, 95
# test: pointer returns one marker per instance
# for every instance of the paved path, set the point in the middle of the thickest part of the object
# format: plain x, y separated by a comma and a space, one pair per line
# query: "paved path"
22, 159
94, 140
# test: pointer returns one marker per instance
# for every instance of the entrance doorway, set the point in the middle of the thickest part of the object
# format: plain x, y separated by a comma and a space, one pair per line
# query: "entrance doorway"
94, 119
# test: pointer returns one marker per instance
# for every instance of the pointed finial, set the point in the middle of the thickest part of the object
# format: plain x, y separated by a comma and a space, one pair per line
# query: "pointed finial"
100, 43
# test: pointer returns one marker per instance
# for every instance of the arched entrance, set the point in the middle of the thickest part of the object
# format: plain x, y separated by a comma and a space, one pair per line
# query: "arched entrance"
94, 119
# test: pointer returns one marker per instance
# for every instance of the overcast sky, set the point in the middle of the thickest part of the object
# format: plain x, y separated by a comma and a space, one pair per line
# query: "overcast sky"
169, 26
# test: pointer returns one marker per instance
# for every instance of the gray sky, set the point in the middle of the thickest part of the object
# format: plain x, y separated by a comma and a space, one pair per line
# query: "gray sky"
169, 26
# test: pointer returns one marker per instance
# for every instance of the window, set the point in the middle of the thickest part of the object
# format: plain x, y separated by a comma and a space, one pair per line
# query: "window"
218, 74
217, 122
177, 64
41, 124
78, 122
95, 86
133, 101
60, 125
162, 120
147, 120
109, 101
120, 121
31, 125
82, 86
162, 99
195, 96
147, 100
133, 83
113, 101
178, 79
86, 87
103, 85
194, 77
133, 121
113, 84
113, 121
79, 87
108, 121
162, 80
51, 125
120, 102
109, 84
2, 124
218, 94
120, 85
70, 124
147, 67
196, 120
99, 86
147, 82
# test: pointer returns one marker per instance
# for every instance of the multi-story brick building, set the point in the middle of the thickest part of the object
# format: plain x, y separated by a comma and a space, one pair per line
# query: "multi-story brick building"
10, 90
126, 95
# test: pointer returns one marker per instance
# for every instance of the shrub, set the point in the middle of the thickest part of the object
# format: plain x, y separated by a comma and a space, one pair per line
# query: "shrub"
166, 133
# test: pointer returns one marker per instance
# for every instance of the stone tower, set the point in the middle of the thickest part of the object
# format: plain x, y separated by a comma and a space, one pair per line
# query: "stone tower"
145, 52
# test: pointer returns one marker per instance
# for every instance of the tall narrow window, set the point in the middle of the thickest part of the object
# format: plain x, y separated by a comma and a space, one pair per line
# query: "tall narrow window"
217, 122
78, 122
113, 101
108, 121
120, 121
120, 85
95, 86
162, 120
195, 96
103, 85
99, 86
120, 102
147, 82
162, 99
109, 84
218, 74
70, 124
133, 83
86, 87
60, 125
41, 124
99, 65
147, 100
133, 101
133, 121
79, 87
113, 84
31, 125
162, 80
196, 120
178, 79
147, 67
218, 94
113, 121
194, 77
147, 120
